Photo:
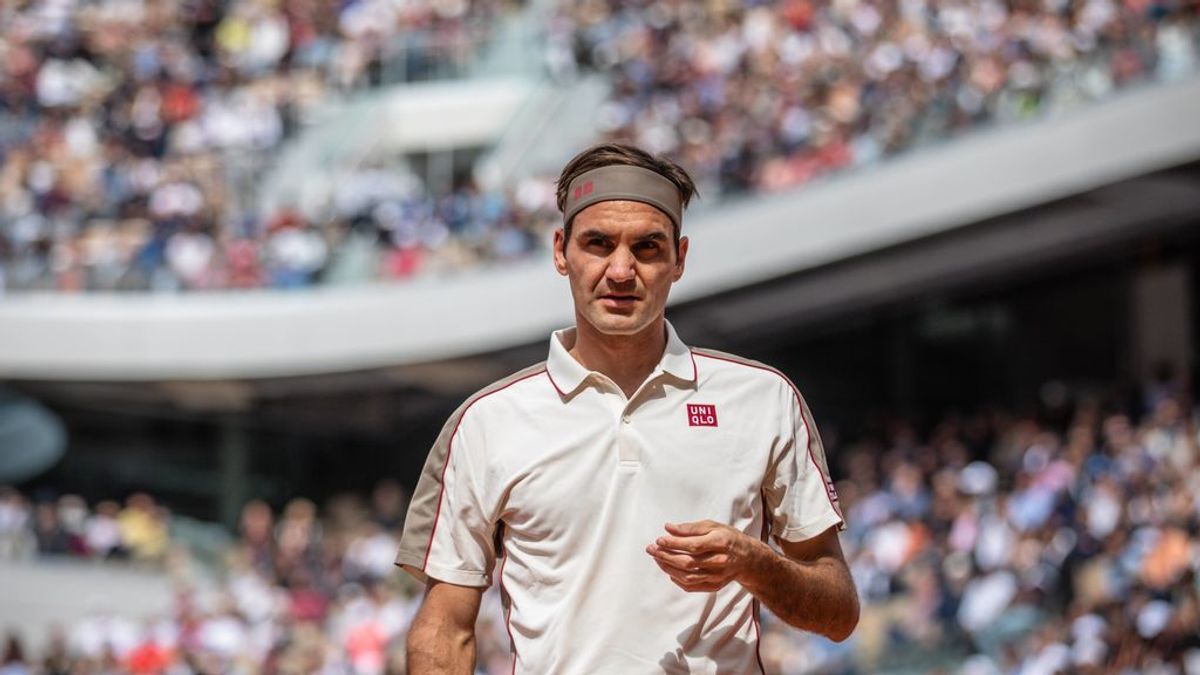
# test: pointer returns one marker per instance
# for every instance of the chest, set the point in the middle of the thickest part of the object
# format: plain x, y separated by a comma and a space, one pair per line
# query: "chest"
604, 462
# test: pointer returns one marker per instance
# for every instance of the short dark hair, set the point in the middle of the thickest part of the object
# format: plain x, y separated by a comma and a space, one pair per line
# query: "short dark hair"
607, 154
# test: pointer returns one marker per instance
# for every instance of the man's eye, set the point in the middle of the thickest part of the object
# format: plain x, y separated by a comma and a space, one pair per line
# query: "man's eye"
596, 241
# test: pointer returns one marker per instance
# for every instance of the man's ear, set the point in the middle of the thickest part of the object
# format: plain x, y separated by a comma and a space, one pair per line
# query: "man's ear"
680, 258
560, 256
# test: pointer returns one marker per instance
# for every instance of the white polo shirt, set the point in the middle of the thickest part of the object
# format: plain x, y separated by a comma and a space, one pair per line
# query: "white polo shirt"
554, 471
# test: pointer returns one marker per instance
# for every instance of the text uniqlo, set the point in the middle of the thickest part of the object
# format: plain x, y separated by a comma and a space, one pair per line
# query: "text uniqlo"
702, 415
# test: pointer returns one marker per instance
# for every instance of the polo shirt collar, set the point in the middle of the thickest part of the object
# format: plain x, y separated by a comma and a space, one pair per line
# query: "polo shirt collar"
567, 374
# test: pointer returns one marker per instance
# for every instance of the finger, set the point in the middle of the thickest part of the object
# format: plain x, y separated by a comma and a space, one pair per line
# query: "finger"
712, 561
701, 588
688, 579
677, 561
677, 576
687, 562
700, 580
689, 544
691, 529
698, 586
706, 562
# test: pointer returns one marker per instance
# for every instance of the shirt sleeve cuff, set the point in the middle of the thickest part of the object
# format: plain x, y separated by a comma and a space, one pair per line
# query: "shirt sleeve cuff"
416, 566
810, 530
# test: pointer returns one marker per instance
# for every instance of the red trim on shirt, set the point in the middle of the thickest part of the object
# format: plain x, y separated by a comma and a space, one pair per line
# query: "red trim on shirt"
450, 449
757, 636
755, 605
512, 644
825, 480
561, 393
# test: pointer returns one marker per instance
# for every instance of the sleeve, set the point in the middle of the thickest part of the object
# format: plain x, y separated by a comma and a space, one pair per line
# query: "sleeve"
449, 532
800, 498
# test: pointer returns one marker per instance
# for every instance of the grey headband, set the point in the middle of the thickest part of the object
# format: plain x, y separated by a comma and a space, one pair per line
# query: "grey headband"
621, 181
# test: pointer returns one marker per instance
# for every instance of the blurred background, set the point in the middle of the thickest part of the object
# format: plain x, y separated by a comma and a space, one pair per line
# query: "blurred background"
254, 252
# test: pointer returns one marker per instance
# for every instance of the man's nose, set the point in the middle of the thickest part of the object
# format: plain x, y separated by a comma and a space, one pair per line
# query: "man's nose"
620, 266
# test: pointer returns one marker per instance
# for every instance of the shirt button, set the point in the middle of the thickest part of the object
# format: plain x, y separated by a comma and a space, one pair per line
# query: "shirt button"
625, 419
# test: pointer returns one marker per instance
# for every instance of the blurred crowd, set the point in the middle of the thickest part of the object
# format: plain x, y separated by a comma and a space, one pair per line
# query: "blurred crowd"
298, 591
129, 130
1067, 544
66, 526
993, 543
767, 95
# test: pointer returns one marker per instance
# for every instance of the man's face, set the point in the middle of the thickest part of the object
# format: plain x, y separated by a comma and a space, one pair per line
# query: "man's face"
621, 262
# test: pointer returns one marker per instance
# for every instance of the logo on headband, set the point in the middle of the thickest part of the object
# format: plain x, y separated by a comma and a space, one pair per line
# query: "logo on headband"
583, 190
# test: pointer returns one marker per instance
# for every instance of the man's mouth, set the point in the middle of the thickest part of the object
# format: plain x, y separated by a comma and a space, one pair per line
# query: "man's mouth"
619, 299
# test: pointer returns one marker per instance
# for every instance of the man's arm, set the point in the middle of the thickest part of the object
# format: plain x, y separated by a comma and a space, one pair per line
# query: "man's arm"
809, 587
441, 640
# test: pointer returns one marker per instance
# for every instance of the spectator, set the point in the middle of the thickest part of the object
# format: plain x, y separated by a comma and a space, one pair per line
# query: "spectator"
52, 538
143, 529
102, 534
16, 540
14, 662
389, 504
257, 539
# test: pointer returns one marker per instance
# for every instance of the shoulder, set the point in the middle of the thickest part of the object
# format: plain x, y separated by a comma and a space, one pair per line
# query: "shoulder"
506, 383
512, 387
711, 361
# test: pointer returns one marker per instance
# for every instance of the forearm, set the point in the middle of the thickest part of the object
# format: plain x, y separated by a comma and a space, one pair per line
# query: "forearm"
440, 648
817, 596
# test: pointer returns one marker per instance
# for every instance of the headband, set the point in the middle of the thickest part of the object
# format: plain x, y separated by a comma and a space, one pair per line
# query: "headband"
621, 181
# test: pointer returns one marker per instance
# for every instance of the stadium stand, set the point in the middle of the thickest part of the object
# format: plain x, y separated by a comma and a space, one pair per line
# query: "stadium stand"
129, 130
768, 96
124, 159
993, 543
1097, 168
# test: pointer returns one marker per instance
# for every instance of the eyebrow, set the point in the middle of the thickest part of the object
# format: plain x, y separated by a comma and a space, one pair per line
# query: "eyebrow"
590, 233
651, 236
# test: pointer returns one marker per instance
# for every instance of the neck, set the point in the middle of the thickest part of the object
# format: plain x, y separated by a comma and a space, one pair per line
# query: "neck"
627, 360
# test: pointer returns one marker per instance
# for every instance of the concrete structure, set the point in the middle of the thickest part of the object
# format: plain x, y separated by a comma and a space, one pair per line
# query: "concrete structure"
925, 195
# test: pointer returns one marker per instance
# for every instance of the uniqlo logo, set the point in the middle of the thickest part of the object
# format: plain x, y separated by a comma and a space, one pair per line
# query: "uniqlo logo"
702, 415
583, 190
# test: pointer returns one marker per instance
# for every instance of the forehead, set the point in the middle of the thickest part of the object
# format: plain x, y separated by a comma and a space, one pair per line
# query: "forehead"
623, 215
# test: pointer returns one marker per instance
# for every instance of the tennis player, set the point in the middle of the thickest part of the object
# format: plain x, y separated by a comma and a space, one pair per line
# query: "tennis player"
625, 490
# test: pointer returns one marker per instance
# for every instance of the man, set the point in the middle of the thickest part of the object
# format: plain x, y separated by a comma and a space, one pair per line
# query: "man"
628, 483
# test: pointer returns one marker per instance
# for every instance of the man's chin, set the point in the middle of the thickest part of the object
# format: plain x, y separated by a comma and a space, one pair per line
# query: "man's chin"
611, 324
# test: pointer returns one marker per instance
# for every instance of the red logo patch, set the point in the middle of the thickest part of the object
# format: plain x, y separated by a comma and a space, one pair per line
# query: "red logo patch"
583, 190
701, 415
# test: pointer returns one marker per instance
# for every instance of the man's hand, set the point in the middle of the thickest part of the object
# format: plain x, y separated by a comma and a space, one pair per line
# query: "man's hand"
808, 586
703, 556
